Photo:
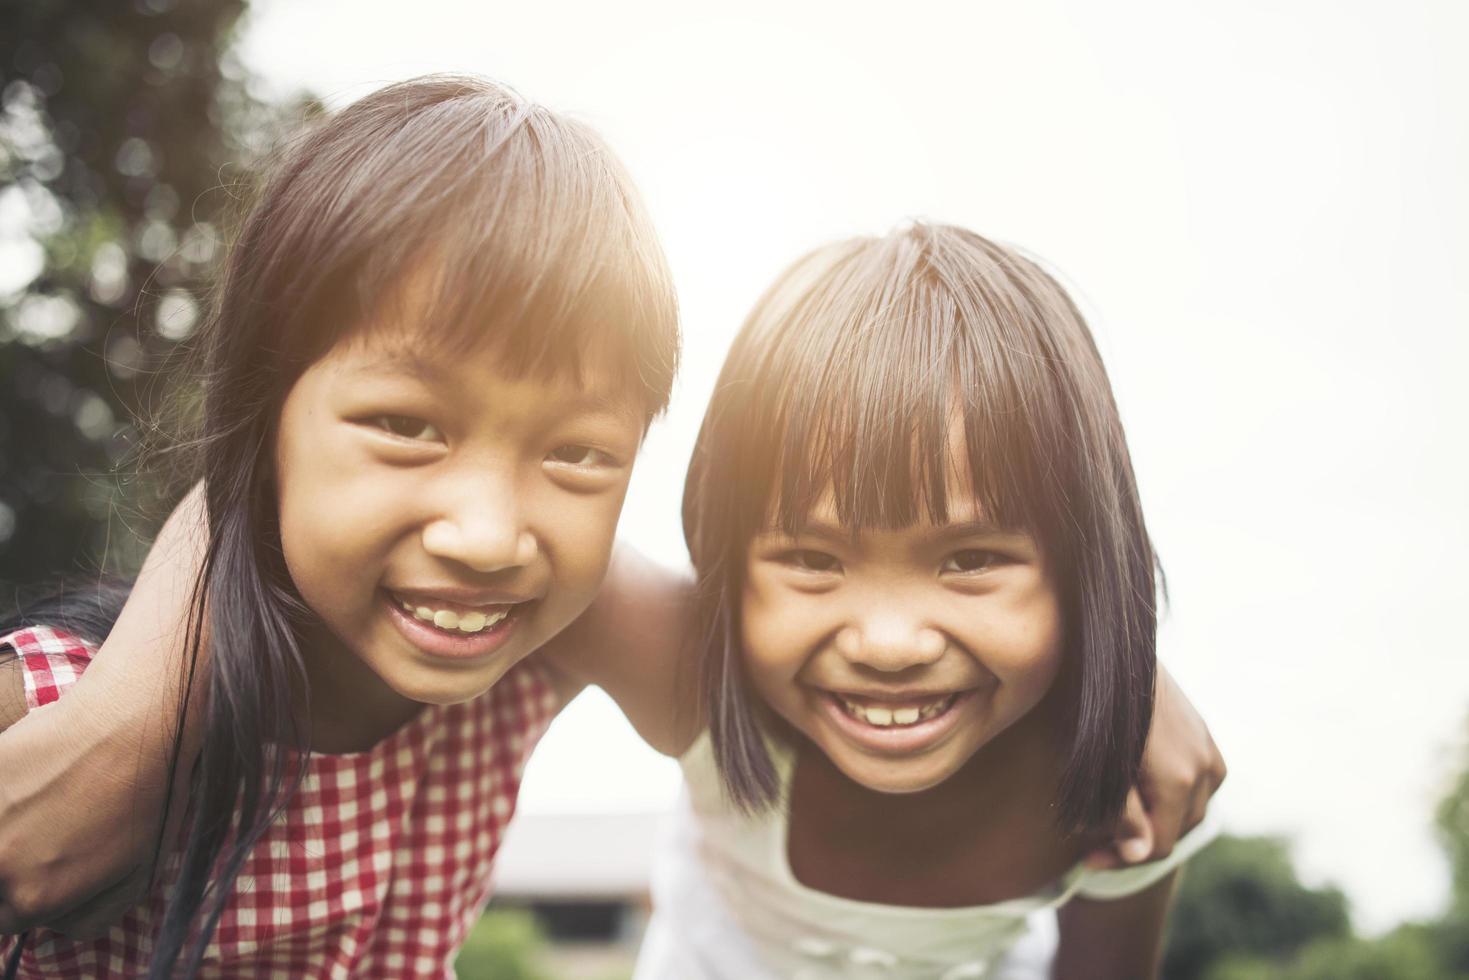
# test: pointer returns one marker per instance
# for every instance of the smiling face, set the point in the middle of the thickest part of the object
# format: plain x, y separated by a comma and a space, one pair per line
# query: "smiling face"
441, 519
900, 653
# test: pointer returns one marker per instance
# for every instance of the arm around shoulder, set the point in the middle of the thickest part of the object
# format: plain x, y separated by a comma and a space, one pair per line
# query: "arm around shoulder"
94, 766
633, 642
1181, 771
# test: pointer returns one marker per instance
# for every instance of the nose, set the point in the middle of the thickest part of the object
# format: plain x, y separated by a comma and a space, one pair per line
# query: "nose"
482, 528
890, 640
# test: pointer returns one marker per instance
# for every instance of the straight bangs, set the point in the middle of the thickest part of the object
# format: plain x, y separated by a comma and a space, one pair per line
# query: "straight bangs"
871, 376
452, 205
885, 375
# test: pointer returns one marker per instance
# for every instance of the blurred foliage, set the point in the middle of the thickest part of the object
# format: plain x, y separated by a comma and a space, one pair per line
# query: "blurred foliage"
125, 126
1241, 897
1404, 954
1242, 914
1453, 834
505, 944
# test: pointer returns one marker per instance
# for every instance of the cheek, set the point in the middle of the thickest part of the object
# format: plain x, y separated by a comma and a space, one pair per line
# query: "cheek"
312, 539
1015, 635
776, 631
331, 516
578, 534
294, 475
1030, 655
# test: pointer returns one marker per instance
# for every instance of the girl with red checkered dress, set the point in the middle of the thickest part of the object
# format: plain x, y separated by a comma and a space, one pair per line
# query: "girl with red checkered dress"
437, 344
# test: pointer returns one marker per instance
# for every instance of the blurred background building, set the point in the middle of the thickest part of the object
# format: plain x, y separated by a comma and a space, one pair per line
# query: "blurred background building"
1261, 206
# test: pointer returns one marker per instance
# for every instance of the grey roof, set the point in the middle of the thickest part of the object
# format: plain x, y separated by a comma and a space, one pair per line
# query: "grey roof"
577, 856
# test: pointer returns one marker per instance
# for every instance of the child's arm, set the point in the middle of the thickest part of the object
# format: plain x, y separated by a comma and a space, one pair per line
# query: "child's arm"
94, 766
1113, 940
1181, 771
633, 642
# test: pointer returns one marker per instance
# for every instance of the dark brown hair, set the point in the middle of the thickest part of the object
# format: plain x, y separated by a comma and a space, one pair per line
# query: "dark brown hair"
847, 379
532, 239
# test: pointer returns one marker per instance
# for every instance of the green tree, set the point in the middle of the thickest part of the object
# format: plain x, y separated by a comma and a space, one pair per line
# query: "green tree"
1449, 937
1453, 833
1241, 914
1240, 897
505, 944
121, 122
1451, 934
1405, 954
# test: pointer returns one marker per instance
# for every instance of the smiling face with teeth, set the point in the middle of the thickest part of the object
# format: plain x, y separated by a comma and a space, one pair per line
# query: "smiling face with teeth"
441, 518
900, 653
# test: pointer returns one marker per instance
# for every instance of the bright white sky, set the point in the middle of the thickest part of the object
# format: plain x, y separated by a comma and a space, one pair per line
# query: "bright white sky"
1263, 206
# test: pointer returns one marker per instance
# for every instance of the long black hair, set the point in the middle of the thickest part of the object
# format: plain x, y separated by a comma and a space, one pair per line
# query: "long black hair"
533, 239
85, 609
846, 378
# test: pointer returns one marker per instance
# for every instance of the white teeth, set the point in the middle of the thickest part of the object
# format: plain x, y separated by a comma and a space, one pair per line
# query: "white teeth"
448, 619
880, 717
476, 621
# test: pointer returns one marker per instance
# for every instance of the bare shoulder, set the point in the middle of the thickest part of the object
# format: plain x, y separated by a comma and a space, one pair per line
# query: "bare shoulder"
1122, 938
633, 642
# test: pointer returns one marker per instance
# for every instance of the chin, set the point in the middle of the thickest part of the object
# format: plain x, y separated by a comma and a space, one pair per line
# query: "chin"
441, 690
897, 776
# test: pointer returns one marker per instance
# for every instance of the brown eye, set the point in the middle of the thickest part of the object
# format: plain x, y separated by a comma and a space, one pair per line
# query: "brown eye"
577, 455
971, 560
408, 427
812, 561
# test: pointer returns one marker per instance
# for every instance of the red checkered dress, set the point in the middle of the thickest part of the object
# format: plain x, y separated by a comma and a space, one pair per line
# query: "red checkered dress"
377, 868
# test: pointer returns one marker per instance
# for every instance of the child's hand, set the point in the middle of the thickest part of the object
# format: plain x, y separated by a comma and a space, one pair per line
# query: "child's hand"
73, 851
1181, 770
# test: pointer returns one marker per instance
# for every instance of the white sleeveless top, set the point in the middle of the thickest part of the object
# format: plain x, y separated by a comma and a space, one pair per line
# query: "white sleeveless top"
726, 905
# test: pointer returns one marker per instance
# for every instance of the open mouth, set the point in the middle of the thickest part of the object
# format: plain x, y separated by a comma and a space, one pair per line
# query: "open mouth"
457, 630
456, 620
896, 724
880, 714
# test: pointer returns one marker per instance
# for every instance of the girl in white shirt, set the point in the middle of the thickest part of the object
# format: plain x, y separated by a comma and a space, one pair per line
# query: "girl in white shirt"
926, 601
